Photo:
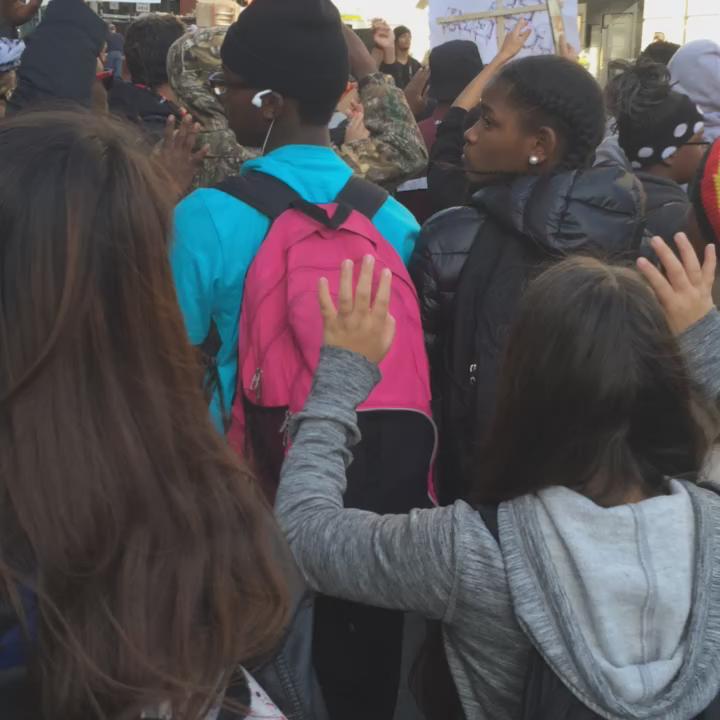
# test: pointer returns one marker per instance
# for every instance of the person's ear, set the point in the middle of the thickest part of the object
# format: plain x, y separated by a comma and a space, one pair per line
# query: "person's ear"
545, 146
273, 105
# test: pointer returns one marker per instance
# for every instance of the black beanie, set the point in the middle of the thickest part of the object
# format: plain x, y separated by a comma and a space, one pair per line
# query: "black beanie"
295, 47
453, 65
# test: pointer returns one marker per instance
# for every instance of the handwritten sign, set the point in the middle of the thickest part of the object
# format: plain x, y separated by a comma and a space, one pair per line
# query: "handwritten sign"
486, 22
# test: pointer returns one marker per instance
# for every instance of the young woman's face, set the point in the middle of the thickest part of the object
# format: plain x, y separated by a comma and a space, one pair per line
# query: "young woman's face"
497, 143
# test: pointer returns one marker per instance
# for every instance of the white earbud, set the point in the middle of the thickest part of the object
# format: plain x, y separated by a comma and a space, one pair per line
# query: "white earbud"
534, 160
257, 100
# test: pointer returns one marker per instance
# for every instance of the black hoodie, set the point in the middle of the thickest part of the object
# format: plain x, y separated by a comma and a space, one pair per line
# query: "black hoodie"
516, 228
143, 107
60, 60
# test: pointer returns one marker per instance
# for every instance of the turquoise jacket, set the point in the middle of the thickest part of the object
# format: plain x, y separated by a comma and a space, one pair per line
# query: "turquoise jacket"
218, 236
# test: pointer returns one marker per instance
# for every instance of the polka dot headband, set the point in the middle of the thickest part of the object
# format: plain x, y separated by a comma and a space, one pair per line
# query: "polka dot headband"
674, 122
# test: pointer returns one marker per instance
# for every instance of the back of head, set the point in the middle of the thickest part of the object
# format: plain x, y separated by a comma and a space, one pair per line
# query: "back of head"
560, 94
142, 540
593, 389
191, 61
453, 65
147, 42
695, 70
294, 47
660, 51
652, 119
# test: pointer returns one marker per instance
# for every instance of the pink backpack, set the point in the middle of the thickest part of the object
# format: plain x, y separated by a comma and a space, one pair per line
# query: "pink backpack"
281, 335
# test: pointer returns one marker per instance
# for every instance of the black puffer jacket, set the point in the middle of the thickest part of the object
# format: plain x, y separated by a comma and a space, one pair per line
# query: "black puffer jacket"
142, 107
667, 206
515, 229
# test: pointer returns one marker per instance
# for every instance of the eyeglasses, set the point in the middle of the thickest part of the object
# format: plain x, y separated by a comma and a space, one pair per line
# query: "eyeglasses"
699, 142
219, 85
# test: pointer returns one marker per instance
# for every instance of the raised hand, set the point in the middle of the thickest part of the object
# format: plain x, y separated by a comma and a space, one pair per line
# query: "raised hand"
515, 40
177, 152
358, 324
685, 291
564, 49
356, 129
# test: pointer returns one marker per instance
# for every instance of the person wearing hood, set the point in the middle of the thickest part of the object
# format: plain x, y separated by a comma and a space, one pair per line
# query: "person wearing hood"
541, 119
695, 71
148, 100
661, 133
191, 61
61, 58
581, 579
393, 152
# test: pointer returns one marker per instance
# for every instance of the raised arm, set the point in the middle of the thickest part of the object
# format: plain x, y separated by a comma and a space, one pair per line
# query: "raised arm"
18, 13
685, 293
395, 150
396, 561
61, 60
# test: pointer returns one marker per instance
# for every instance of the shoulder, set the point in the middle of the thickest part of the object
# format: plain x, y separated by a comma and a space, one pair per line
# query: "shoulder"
210, 219
398, 226
451, 231
214, 209
482, 567
399, 214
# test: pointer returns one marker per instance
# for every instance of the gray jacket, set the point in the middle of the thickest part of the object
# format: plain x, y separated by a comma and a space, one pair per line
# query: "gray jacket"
623, 603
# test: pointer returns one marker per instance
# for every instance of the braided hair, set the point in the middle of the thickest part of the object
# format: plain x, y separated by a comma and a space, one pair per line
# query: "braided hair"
636, 90
560, 94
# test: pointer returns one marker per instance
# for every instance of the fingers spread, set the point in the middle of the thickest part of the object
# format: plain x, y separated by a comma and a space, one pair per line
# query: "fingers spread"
673, 268
363, 292
345, 292
657, 281
327, 306
382, 298
689, 258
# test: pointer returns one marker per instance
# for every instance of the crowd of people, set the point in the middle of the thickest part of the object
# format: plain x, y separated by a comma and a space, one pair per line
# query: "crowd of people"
300, 338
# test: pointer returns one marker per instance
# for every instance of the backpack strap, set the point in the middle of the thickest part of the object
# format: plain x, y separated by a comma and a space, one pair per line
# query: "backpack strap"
489, 514
362, 195
265, 193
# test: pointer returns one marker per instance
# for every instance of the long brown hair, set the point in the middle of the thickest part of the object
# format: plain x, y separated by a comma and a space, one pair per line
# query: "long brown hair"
152, 558
594, 393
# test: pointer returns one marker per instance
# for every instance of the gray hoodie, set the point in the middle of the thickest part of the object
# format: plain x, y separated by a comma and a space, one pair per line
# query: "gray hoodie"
695, 68
623, 603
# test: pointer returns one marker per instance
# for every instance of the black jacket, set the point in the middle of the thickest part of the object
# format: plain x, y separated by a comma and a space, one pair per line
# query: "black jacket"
667, 206
60, 60
510, 232
143, 107
447, 183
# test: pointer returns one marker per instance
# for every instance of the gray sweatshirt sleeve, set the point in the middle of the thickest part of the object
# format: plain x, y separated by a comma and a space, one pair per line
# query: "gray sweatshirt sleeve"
405, 562
701, 347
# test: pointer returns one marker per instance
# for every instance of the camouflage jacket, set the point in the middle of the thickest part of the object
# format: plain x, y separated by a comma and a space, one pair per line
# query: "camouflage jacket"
393, 153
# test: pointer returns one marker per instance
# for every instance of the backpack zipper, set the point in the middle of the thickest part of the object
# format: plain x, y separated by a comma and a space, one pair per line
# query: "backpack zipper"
256, 384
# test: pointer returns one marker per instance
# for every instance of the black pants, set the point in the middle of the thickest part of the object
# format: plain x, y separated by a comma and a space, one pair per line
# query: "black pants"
358, 656
358, 649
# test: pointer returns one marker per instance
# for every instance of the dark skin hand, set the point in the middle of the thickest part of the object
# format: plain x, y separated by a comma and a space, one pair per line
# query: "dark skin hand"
18, 13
